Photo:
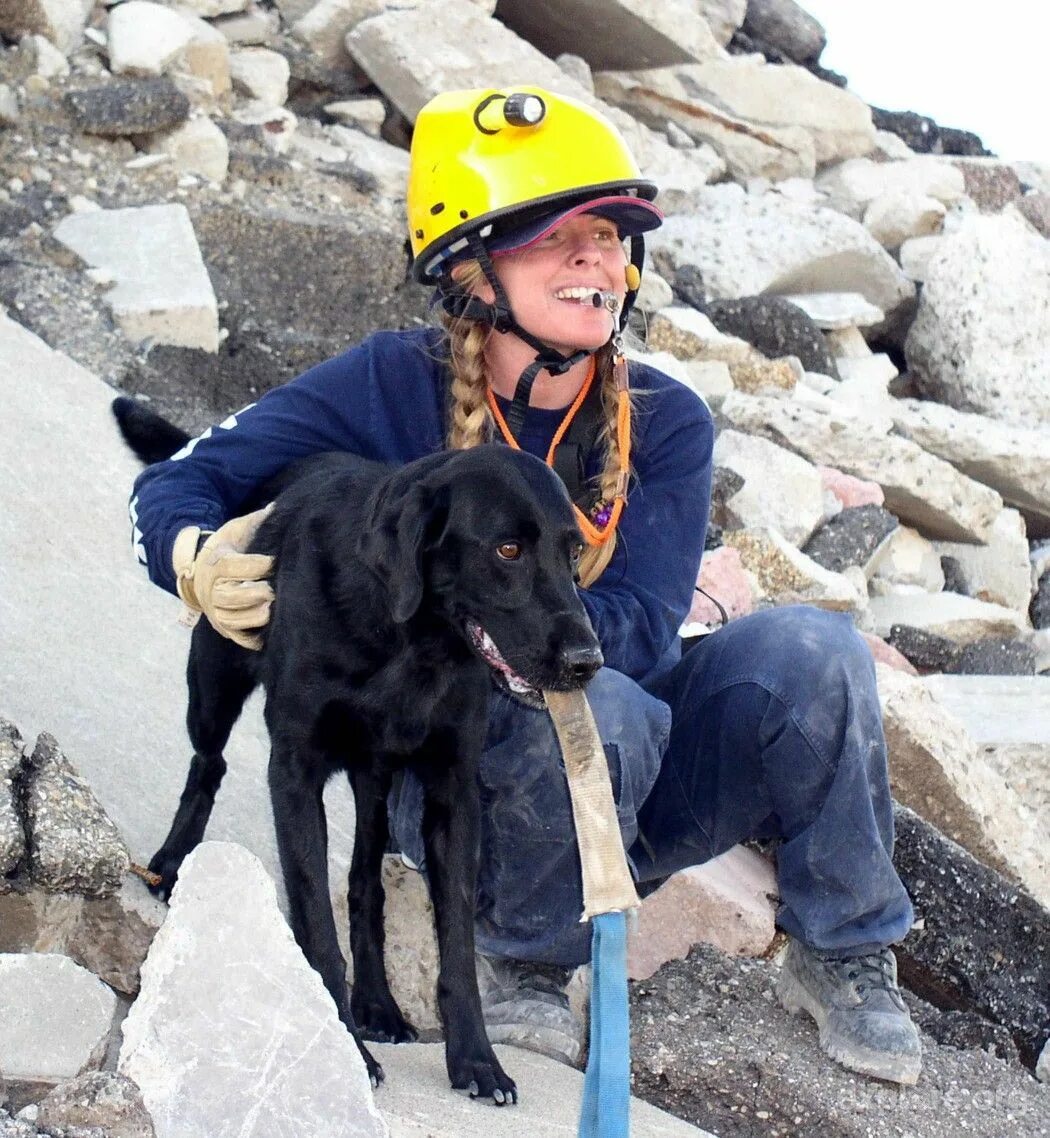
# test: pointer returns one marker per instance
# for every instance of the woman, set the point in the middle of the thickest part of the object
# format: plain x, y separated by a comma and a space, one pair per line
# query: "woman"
520, 204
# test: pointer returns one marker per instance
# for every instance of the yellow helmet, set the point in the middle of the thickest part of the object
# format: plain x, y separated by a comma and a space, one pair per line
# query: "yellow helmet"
487, 162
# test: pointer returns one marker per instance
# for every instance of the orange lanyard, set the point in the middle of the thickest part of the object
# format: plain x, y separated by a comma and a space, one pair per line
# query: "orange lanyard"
592, 534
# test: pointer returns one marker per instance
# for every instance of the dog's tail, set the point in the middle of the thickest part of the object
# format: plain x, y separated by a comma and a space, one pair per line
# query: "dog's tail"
149, 435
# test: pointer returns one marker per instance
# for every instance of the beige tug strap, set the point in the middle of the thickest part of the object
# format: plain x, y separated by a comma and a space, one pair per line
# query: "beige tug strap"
607, 883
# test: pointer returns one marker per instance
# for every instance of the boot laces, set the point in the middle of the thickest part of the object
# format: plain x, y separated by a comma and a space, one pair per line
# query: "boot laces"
874, 972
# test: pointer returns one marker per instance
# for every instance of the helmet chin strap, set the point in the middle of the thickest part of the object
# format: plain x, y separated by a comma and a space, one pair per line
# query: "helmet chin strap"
499, 315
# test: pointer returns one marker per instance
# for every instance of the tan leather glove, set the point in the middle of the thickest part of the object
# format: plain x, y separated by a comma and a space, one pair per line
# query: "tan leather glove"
222, 581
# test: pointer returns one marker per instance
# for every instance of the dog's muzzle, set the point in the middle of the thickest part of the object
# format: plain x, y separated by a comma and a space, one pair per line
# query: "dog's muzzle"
505, 675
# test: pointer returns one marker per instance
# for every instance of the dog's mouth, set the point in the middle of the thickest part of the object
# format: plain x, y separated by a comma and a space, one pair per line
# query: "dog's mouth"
504, 674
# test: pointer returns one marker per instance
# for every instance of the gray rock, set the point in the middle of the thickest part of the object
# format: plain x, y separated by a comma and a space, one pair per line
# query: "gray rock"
785, 25
710, 1043
851, 537
776, 327
1036, 208
73, 845
992, 184
994, 657
133, 106
926, 650
228, 1006
924, 136
55, 1018
100, 1099
1039, 610
12, 836
984, 943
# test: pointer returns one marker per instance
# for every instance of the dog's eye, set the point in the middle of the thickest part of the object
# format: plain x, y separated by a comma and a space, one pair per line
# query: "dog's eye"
508, 550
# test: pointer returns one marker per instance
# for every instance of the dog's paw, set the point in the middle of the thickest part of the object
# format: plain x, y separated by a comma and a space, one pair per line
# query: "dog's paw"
166, 867
382, 1022
485, 1079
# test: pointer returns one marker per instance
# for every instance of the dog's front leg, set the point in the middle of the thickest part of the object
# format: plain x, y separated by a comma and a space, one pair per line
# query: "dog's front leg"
296, 790
451, 834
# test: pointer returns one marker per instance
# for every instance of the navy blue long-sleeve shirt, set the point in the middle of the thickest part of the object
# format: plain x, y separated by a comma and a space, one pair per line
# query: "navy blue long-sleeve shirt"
384, 400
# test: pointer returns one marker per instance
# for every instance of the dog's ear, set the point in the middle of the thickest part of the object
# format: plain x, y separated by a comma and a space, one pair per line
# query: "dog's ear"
400, 525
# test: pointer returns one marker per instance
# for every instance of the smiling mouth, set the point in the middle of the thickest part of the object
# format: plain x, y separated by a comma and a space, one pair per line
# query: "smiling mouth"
505, 675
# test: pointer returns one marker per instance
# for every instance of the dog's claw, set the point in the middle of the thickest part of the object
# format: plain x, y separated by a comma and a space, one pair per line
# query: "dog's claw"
473, 1089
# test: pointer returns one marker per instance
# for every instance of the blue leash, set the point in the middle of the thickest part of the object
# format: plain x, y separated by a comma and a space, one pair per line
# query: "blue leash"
605, 1109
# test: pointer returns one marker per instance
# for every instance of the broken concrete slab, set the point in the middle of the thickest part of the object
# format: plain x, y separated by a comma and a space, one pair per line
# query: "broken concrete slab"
612, 35
908, 562
55, 1018
780, 489
162, 292
12, 833
73, 845
854, 536
745, 244
998, 572
729, 901
416, 1102
938, 770
228, 1004
982, 944
749, 150
853, 185
195, 147
920, 489
973, 343
1014, 460
962, 619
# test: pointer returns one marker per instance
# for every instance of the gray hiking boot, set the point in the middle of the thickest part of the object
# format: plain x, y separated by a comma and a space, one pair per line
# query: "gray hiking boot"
864, 1023
526, 1005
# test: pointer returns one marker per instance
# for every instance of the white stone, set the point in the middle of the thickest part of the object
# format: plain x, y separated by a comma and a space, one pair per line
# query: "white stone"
889, 145
937, 769
195, 147
910, 560
837, 310
864, 383
780, 489
50, 62
998, 572
261, 74
61, 21
144, 38
324, 26
279, 124
961, 619
233, 1032
163, 292
896, 217
920, 489
854, 184
710, 379
1042, 1066
981, 339
745, 246
847, 343
206, 56
385, 163
55, 1017
915, 255
654, 293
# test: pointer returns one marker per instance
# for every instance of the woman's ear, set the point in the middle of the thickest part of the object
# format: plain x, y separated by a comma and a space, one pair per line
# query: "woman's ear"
470, 277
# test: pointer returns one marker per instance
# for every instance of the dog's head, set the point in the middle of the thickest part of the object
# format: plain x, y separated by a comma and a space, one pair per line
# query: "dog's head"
486, 539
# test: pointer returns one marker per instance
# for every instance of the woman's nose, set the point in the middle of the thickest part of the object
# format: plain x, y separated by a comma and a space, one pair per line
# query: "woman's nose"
587, 249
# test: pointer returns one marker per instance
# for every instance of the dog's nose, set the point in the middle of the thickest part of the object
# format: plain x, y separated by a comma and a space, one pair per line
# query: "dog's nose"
579, 664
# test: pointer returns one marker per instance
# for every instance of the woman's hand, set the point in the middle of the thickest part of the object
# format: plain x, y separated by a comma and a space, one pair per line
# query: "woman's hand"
223, 581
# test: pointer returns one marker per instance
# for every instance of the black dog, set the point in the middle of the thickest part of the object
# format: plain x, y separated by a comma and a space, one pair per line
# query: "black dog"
394, 586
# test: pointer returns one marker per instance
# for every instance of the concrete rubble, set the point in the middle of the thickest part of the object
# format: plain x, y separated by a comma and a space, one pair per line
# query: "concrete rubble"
862, 300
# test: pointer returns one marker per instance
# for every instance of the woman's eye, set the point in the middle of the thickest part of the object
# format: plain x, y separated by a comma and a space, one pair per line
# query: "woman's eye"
508, 550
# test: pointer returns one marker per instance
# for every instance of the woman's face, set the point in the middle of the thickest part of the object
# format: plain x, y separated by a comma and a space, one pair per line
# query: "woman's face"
583, 253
